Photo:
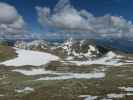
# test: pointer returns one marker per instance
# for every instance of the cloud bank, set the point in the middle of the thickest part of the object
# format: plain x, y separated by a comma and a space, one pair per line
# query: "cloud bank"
11, 22
65, 16
69, 20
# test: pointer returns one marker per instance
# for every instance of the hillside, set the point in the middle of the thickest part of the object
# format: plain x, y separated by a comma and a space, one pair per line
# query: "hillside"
6, 53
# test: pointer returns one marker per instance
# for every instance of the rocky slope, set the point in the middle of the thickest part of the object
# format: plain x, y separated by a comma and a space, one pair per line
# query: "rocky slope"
70, 49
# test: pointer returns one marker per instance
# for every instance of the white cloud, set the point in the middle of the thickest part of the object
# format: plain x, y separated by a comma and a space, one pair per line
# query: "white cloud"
62, 4
8, 13
68, 19
11, 22
43, 14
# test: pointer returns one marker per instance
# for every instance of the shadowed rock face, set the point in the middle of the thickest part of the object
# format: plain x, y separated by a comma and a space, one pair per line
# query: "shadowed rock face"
83, 49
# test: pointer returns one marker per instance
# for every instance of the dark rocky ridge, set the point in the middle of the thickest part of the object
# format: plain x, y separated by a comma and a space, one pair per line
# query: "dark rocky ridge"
76, 49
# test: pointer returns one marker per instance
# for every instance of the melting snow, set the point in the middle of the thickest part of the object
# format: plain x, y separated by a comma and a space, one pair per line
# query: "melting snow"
29, 57
110, 59
129, 61
113, 95
35, 58
88, 97
61, 76
106, 99
75, 76
129, 94
34, 72
127, 89
1, 95
92, 48
26, 89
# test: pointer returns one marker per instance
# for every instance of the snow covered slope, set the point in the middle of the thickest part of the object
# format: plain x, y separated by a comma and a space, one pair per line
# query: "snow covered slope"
29, 57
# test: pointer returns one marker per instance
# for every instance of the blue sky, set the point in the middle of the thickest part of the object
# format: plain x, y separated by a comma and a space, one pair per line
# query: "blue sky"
98, 7
74, 17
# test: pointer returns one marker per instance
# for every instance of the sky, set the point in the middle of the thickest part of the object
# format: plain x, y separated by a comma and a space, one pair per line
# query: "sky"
75, 16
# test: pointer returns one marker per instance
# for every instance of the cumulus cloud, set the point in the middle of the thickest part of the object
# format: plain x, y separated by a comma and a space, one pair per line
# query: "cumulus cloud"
65, 16
70, 20
11, 22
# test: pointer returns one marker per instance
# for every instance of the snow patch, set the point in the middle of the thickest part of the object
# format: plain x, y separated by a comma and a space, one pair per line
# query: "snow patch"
129, 94
75, 76
113, 95
2, 95
106, 99
26, 89
29, 57
110, 59
34, 72
88, 97
92, 48
61, 76
69, 58
127, 89
68, 47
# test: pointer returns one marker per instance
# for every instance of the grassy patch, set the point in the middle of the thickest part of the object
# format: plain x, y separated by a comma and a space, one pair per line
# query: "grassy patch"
66, 89
71, 89
7, 53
